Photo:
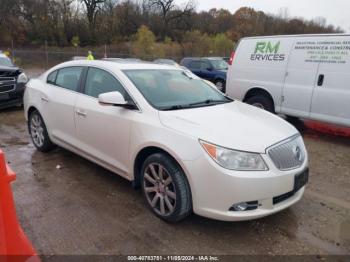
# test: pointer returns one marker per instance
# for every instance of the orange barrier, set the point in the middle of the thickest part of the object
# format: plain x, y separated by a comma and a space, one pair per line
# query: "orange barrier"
14, 245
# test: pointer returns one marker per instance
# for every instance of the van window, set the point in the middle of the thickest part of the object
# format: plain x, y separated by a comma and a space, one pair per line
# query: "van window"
69, 77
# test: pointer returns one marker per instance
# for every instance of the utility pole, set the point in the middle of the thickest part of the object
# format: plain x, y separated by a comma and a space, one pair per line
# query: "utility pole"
46, 55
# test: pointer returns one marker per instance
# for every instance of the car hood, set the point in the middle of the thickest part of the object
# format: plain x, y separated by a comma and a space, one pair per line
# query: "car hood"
233, 125
9, 71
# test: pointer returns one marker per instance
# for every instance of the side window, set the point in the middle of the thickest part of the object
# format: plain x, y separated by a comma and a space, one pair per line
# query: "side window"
51, 79
69, 77
205, 65
195, 65
99, 81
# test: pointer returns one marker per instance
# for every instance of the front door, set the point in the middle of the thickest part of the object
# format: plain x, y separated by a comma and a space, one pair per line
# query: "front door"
103, 130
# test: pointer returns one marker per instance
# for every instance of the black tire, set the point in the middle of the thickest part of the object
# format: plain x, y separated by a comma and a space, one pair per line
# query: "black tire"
220, 85
46, 145
182, 206
262, 101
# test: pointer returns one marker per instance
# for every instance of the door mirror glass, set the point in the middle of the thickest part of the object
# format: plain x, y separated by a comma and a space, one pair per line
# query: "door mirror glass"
112, 98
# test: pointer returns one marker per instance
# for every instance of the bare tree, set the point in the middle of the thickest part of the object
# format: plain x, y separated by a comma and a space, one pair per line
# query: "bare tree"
169, 11
91, 11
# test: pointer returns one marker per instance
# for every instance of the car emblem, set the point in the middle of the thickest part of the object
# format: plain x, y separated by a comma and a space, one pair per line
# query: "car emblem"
297, 153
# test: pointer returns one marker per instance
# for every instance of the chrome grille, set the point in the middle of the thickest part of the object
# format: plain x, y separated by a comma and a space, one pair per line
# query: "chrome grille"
7, 84
288, 154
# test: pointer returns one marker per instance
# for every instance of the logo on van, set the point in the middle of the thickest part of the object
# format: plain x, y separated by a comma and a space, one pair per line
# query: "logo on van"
267, 51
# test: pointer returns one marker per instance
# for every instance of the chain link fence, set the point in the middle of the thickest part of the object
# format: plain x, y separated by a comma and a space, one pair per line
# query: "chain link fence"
45, 59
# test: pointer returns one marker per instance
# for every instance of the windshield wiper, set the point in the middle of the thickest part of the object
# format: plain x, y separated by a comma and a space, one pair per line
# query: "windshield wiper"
193, 105
209, 102
175, 107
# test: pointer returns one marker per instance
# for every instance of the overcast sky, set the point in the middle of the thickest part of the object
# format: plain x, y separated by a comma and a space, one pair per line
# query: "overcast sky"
337, 12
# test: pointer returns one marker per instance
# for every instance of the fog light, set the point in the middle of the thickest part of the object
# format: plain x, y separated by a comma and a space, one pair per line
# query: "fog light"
245, 206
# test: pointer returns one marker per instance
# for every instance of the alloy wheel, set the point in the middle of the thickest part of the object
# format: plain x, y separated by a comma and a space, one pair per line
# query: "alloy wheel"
37, 130
159, 189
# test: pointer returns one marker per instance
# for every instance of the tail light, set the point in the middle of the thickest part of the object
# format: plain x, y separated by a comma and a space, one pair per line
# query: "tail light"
232, 57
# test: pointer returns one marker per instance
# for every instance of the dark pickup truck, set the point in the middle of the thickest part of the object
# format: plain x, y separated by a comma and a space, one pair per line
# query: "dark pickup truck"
12, 83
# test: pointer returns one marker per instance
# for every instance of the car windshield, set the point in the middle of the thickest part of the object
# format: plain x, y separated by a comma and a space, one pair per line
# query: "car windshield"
175, 89
219, 64
4, 61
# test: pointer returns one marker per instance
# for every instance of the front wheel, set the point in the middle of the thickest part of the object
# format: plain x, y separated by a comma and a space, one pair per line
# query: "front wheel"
165, 188
262, 102
38, 132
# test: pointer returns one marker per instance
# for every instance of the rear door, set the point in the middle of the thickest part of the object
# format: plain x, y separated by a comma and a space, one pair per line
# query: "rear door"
300, 79
59, 101
103, 130
331, 98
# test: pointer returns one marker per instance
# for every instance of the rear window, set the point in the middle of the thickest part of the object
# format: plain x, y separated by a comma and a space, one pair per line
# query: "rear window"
51, 79
69, 78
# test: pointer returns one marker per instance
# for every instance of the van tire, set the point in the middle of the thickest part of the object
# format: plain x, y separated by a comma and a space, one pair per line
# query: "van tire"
262, 101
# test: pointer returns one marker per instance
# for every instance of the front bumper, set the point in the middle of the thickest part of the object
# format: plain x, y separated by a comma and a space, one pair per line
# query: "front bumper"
12, 98
215, 189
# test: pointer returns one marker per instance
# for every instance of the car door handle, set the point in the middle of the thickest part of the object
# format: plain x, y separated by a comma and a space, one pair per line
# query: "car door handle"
44, 99
320, 80
80, 113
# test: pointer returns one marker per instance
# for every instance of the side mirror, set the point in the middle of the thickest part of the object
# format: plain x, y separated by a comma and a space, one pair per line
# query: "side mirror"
210, 69
112, 98
115, 99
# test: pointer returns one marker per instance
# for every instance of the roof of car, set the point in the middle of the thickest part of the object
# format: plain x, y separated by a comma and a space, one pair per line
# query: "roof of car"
113, 65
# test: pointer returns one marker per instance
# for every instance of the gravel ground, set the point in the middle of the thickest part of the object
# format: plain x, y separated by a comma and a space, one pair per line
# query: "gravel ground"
82, 208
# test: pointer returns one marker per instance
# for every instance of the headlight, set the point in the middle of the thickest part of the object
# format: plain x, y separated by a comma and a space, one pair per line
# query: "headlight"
235, 160
22, 78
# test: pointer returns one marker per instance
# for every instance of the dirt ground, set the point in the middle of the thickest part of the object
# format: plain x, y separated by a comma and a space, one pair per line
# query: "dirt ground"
84, 209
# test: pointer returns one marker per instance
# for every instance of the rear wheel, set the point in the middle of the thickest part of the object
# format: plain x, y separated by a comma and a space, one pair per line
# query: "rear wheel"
262, 102
165, 188
38, 132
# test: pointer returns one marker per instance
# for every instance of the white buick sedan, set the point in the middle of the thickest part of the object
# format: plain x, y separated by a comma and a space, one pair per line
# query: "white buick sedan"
187, 145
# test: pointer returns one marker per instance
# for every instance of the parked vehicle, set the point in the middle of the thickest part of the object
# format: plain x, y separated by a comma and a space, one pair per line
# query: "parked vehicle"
213, 69
166, 62
74, 58
185, 143
12, 83
226, 59
305, 76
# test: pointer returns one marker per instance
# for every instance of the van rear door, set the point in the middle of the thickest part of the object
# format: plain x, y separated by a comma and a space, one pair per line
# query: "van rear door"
300, 80
331, 98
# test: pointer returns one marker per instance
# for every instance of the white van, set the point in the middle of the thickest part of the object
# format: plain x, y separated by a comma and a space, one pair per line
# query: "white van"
306, 76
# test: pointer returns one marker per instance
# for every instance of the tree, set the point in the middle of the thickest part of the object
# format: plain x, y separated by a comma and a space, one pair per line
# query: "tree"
169, 12
222, 45
91, 11
144, 43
